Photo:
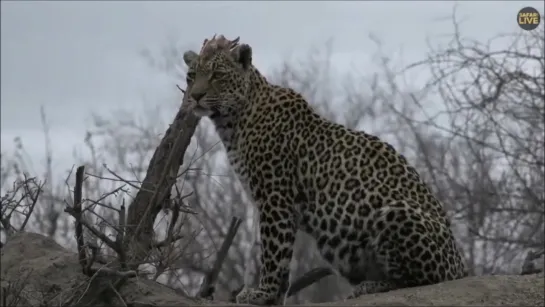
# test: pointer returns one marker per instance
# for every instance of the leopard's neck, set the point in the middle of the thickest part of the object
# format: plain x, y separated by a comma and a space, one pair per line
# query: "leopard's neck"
227, 124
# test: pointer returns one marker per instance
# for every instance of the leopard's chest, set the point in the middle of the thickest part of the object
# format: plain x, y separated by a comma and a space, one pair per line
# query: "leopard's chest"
241, 167
238, 163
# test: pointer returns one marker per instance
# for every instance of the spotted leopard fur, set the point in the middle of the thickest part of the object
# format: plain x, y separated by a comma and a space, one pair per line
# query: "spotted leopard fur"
372, 216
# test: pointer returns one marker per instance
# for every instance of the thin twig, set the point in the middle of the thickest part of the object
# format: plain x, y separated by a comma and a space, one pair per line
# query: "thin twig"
119, 177
308, 279
106, 271
121, 235
111, 244
33, 204
118, 295
99, 201
173, 221
181, 90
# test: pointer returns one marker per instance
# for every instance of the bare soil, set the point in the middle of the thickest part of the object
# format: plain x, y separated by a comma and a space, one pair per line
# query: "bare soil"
39, 270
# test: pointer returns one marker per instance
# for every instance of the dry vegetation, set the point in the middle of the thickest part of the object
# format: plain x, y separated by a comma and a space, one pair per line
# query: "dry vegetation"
167, 208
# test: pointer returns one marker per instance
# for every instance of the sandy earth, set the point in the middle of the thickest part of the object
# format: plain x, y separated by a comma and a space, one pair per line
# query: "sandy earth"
48, 272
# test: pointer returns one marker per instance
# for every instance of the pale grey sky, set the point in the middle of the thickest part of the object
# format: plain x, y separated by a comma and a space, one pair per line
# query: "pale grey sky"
76, 57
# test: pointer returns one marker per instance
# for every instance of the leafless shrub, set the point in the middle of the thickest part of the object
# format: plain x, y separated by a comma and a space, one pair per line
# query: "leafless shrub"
482, 148
12, 290
18, 204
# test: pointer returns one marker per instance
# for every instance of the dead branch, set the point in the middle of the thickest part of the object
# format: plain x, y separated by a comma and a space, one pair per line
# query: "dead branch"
210, 279
308, 279
175, 207
20, 200
82, 255
87, 265
121, 237
105, 271
34, 201
160, 177
109, 242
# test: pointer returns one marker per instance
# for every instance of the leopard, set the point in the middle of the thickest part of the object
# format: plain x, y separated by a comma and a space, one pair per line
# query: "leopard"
372, 216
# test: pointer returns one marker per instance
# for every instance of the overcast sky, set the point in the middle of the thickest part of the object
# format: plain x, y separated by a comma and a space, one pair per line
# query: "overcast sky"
75, 58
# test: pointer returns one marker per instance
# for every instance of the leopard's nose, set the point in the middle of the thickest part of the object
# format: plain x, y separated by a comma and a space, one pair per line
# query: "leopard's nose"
197, 96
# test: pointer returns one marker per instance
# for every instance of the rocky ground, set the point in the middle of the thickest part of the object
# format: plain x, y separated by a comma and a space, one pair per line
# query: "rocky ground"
35, 269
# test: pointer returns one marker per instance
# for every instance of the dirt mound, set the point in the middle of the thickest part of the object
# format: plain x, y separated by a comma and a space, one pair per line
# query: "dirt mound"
35, 270
48, 273
497, 290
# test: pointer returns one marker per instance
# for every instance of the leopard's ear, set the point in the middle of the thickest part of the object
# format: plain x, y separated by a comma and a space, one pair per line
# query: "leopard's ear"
243, 55
189, 57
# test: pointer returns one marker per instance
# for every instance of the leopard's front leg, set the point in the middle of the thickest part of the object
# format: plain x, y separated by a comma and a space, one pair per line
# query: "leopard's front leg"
277, 227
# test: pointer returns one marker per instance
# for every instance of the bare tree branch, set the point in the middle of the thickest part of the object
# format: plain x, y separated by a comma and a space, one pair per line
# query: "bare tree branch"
208, 285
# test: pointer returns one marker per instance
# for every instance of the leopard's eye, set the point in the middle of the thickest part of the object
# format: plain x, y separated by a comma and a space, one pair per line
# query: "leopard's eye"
218, 74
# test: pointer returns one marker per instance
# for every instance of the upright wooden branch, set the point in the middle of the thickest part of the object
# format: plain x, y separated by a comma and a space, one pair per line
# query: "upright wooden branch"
78, 192
208, 285
86, 262
160, 177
